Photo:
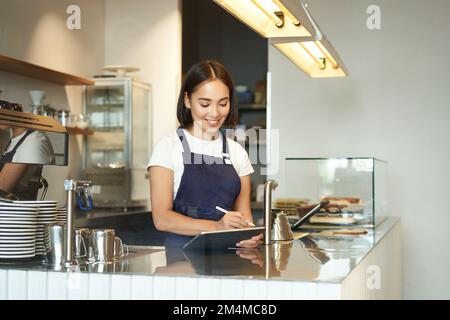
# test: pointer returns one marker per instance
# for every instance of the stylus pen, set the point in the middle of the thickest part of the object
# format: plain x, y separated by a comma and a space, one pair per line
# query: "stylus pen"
225, 211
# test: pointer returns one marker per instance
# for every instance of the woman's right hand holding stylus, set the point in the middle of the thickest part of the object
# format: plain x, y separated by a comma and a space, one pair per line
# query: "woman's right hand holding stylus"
232, 220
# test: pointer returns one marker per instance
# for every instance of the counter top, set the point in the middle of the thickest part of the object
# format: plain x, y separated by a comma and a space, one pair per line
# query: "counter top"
309, 258
84, 218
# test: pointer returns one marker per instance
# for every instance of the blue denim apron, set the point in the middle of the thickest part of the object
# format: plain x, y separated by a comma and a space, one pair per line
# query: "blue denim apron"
206, 182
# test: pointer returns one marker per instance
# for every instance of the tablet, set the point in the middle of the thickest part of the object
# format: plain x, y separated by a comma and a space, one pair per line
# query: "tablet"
223, 239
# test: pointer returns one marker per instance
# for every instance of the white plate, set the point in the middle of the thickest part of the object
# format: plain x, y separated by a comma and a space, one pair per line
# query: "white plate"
23, 244
15, 205
120, 70
18, 246
18, 249
17, 234
18, 256
36, 201
18, 252
18, 217
14, 209
19, 205
22, 220
32, 237
15, 227
19, 220
17, 242
19, 213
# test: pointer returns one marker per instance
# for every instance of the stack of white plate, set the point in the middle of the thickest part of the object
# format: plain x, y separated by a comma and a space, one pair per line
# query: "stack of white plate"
61, 214
18, 228
46, 215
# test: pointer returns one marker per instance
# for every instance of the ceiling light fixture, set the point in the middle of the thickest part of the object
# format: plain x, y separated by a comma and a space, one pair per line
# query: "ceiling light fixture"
271, 18
293, 31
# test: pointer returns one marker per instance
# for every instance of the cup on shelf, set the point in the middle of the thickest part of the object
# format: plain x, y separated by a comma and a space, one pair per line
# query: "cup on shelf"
80, 121
37, 97
63, 117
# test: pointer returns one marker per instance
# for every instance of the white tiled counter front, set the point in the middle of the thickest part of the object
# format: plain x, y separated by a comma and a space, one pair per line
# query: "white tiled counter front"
43, 285
377, 274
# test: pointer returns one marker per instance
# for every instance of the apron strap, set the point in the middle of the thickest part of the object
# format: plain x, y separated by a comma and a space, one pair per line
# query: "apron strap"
183, 140
187, 151
187, 155
13, 151
225, 151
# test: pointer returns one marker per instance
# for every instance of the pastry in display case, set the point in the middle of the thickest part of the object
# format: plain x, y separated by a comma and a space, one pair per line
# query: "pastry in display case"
354, 190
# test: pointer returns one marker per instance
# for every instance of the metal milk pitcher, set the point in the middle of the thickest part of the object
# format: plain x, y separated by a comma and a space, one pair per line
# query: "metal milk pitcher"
281, 229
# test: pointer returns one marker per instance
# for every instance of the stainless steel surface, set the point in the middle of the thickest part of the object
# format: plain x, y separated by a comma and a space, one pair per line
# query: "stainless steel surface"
270, 184
281, 229
102, 242
71, 186
312, 258
56, 254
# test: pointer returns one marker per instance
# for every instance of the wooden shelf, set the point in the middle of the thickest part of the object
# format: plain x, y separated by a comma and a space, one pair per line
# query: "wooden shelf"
23, 68
75, 130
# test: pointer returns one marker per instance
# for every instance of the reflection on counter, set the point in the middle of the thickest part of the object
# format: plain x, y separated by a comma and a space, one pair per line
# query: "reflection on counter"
313, 257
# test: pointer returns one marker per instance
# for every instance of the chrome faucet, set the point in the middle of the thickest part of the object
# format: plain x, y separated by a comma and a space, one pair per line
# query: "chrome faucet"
71, 186
268, 187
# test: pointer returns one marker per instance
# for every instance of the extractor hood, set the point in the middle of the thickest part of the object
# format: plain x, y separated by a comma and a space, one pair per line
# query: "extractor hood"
292, 30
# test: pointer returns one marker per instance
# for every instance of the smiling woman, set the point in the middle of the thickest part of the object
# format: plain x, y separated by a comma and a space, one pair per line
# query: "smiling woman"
197, 168
207, 85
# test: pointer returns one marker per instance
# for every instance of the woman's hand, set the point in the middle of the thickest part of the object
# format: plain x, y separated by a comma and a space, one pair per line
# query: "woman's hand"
232, 220
252, 242
253, 255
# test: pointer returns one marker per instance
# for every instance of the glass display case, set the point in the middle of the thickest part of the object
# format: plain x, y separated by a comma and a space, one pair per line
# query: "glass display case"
355, 189
115, 156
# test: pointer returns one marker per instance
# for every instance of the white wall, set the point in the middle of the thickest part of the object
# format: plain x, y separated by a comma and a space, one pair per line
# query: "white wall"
147, 34
141, 33
35, 31
394, 105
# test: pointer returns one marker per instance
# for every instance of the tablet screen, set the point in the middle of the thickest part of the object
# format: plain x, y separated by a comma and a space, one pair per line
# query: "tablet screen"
222, 239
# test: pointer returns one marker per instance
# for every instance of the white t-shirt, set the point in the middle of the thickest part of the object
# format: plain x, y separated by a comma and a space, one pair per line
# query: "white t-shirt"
168, 154
36, 148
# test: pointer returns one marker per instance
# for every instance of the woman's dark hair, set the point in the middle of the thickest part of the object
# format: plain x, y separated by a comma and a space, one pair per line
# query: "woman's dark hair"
199, 73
